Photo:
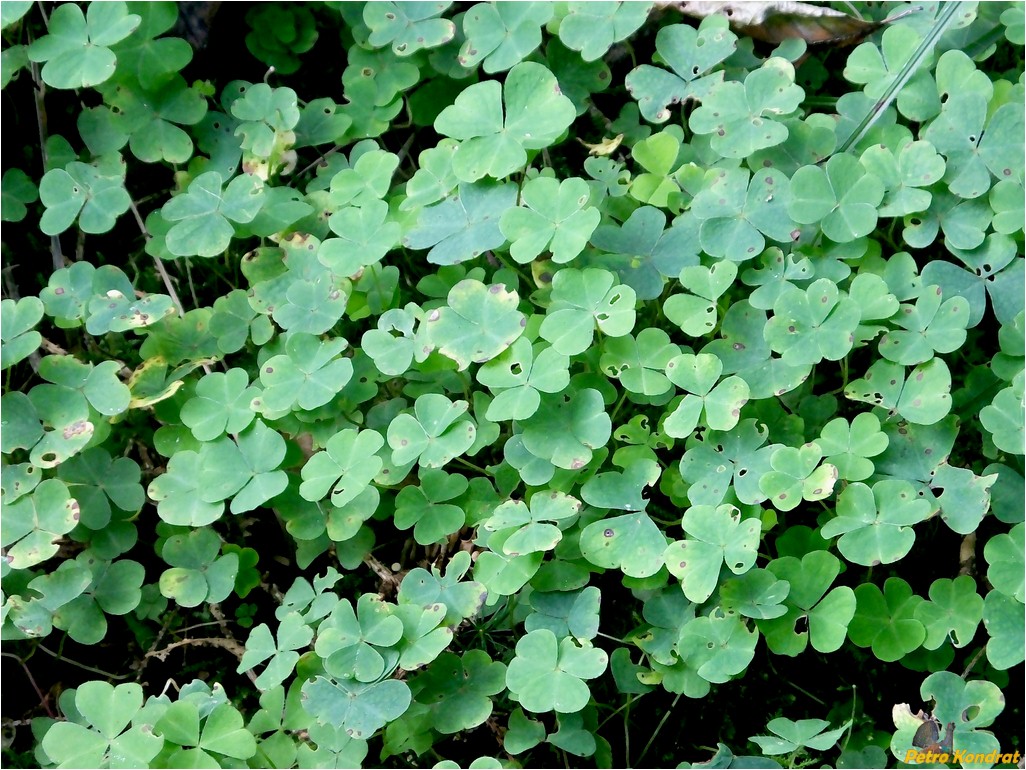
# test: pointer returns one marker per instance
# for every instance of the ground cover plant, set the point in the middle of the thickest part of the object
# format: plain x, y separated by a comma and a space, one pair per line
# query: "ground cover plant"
536, 384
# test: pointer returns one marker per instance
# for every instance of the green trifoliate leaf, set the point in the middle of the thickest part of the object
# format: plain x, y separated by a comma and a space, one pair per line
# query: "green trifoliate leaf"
197, 573
352, 644
737, 215
567, 428
631, 543
638, 363
923, 398
18, 191
292, 635
536, 526
221, 405
392, 353
885, 620
1003, 618
929, 326
204, 213
518, 376
877, 66
17, 320
695, 313
841, 196
97, 481
308, 374
477, 324
582, 300
566, 613
690, 54
76, 49
458, 689
496, 124
35, 522
875, 524
434, 434
358, 708
427, 507
717, 536
717, 647
953, 612
790, 736
345, 468
1004, 555
624, 491
592, 27
643, 254
797, 475
409, 27
463, 226
738, 117
905, 173
94, 193
755, 594
547, 675
808, 326
555, 218
462, 599
828, 614
502, 35
848, 447
720, 403
736, 457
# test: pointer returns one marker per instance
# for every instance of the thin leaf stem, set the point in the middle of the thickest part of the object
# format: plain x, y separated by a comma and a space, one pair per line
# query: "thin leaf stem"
659, 727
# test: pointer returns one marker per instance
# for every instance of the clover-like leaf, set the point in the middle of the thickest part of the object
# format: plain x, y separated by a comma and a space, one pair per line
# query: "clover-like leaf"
496, 124
923, 398
548, 675
875, 523
308, 374
905, 174
196, 572
848, 446
478, 323
722, 459
953, 612
566, 613
77, 47
463, 226
885, 620
204, 213
592, 27
353, 643
797, 475
720, 403
717, 647
696, 313
1004, 555
434, 434
790, 736
808, 326
426, 507
567, 429
827, 611
19, 340
519, 374
345, 468
739, 116
97, 481
458, 689
642, 253
738, 212
756, 593
555, 217
1005, 620
461, 598
690, 54
631, 543
94, 193
841, 196
18, 190
35, 522
582, 300
717, 536
536, 526
221, 405
929, 326
102, 736
292, 635
1003, 417
409, 27
502, 35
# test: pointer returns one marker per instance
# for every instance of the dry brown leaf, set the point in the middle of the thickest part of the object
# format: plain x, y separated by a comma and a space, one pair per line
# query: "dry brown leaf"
774, 22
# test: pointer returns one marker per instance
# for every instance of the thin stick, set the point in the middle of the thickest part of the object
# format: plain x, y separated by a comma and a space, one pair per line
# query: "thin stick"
161, 270
231, 645
42, 698
83, 666
658, 728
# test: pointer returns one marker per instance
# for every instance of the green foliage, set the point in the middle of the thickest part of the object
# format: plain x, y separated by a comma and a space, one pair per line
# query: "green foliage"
571, 355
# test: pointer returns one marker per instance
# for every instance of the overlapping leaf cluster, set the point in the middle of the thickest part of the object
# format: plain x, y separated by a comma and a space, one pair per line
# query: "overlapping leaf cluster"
745, 367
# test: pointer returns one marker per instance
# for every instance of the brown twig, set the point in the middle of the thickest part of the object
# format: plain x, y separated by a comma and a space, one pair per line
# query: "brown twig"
43, 700
231, 645
215, 610
389, 582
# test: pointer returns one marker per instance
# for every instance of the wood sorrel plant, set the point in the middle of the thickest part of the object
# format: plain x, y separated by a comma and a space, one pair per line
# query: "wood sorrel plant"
488, 384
